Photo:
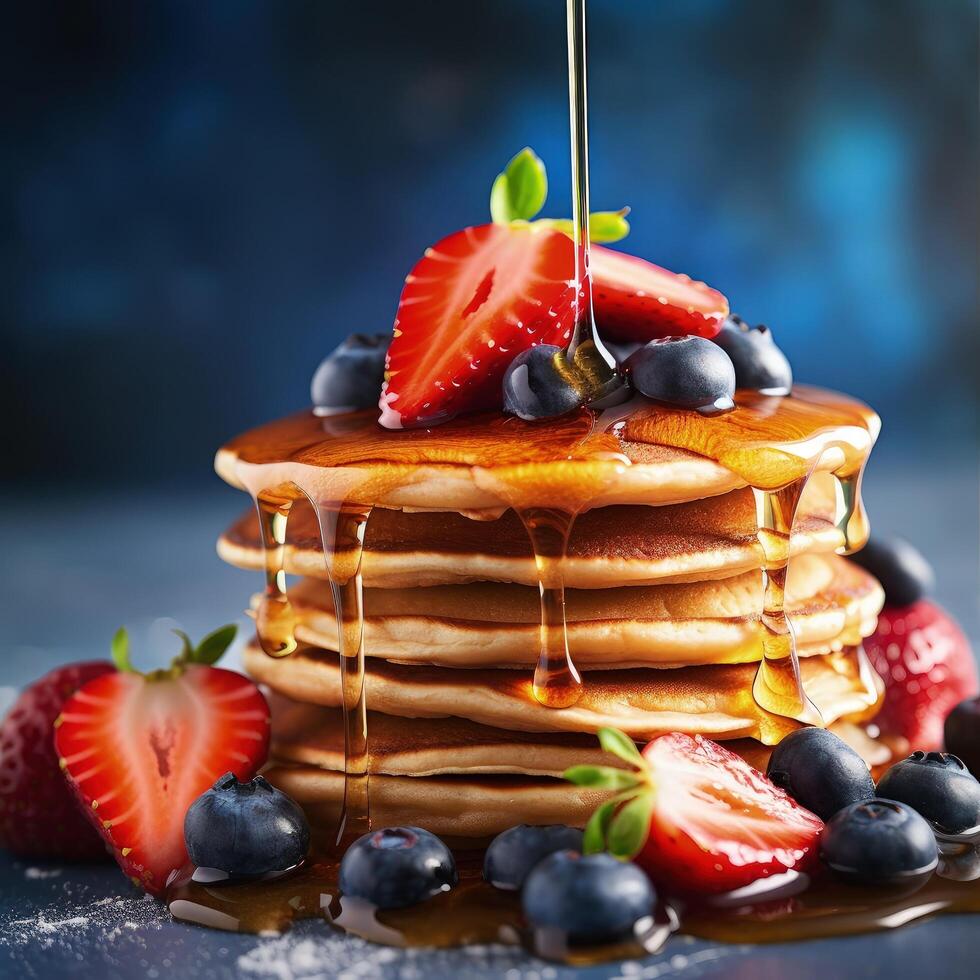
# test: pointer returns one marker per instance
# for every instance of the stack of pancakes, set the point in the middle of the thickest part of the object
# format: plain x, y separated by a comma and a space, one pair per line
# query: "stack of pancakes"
663, 606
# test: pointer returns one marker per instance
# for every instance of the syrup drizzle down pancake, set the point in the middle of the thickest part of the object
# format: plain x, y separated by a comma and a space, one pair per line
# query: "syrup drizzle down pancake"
714, 701
833, 603
611, 546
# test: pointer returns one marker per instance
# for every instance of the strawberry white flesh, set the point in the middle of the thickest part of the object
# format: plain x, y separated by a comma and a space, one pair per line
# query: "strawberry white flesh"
718, 824
139, 750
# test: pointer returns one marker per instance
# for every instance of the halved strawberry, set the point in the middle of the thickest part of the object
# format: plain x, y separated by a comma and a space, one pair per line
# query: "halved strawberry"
469, 306
718, 824
139, 749
695, 816
635, 300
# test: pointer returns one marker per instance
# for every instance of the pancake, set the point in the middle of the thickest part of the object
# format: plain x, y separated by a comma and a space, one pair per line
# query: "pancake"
311, 735
610, 546
715, 701
831, 600
450, 806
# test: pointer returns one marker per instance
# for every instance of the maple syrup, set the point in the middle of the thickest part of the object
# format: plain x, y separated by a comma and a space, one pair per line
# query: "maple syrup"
790, 906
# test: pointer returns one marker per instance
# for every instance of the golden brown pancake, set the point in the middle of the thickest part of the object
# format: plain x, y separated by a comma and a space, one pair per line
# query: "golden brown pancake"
832, 602
715, 701
450, 806
610, 546
308, 734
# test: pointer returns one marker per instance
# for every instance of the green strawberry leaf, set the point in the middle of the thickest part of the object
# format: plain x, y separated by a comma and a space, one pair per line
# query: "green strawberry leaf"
620, 745
594, 837
212, 647
601, 777
120, 650
519, 193
627, 831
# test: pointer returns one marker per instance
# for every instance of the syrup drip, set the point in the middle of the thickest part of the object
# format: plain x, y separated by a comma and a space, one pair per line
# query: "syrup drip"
778, 687
789, 907
275, 619
557, 683
342, 528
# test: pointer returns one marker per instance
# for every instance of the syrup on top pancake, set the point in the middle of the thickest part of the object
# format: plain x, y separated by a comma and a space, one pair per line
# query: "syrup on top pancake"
638, 453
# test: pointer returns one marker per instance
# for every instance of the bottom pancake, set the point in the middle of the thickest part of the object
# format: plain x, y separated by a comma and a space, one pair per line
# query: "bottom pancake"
472, 805
715, 701
450, 806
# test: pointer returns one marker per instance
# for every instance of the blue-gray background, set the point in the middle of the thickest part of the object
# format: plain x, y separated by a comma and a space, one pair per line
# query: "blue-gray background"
199, 198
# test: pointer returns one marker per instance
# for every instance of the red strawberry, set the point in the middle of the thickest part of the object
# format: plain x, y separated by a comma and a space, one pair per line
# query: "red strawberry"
139, 749
928, 668
39, 817
635, 300
476, 300
697, 817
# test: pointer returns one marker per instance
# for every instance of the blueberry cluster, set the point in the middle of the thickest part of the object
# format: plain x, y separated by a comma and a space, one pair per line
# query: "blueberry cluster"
878, 834
685, 372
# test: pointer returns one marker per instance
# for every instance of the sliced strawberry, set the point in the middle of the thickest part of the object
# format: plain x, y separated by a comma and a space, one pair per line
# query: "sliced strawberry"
476, 300
695, 816
635, 300
138, 750
39, 816
717, 823
928, 668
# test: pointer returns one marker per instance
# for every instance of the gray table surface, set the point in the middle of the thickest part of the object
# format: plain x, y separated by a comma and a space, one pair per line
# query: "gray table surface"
75, 570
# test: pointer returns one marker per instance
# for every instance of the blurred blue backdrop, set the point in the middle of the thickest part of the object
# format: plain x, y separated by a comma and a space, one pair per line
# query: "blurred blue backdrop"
200, 199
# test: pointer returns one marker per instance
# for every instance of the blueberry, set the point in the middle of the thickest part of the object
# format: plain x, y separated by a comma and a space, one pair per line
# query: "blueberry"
245, 828
962, 733
939, 787
538, 384
759, 363
396, 867
512, 854
879, 842
901, 569
350, 377
689, 372
591, 898
820, 771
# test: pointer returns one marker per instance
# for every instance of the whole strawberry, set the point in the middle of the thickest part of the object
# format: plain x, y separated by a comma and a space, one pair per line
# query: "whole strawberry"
138, 749
39, 817
928, 668
917, 648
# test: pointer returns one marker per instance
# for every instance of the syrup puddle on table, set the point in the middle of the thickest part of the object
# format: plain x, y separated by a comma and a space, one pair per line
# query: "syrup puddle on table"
788, 907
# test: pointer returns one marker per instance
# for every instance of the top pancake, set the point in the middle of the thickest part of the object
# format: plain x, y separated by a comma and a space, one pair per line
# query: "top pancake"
610, 546
639, 453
